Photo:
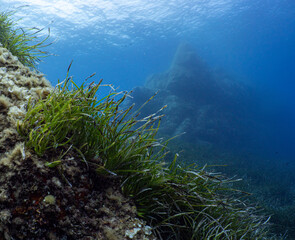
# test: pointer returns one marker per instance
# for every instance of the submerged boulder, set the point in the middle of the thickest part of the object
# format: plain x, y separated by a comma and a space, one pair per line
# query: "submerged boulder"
208, 105
39, 202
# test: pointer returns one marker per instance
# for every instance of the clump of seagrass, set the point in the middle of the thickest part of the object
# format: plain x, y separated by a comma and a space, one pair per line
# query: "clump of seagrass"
22, 43
179, 202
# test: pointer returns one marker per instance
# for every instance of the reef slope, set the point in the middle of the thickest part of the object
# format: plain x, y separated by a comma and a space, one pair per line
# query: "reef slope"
38, 202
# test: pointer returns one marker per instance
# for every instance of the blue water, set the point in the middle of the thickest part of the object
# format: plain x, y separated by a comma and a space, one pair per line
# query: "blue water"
125, 41
252, 39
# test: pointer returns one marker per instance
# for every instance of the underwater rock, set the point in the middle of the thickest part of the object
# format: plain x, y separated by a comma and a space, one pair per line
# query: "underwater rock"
188, 76
39, 202
208, 105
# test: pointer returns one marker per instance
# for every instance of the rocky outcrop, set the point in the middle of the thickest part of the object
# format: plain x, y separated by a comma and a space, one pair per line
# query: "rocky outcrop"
209, 106
38, 202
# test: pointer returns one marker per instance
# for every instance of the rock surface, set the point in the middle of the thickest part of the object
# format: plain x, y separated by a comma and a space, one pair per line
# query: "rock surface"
38, 202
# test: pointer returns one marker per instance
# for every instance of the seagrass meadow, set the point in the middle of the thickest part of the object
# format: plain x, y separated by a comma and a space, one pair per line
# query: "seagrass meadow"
75, 166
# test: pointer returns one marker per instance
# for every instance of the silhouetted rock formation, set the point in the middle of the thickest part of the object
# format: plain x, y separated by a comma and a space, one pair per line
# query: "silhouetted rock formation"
209, 106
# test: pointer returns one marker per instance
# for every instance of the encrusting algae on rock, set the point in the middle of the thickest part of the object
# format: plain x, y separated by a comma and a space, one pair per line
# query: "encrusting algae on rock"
38, 202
